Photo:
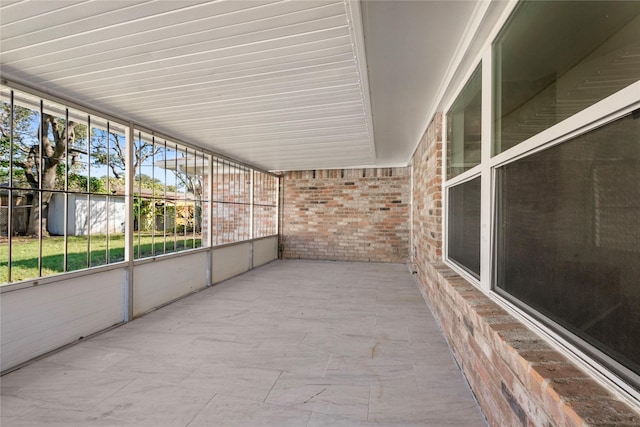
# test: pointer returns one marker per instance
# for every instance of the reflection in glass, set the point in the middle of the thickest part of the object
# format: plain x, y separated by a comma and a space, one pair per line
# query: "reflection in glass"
463, 127
463, 227
568, 236
547, 67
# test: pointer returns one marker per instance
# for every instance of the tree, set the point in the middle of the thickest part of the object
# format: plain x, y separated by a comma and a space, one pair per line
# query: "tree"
194, 185
109, 150
40, 148
39, 153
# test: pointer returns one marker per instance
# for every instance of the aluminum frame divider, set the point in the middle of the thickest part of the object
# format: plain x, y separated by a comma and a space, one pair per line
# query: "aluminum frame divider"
10, 207
65, 257
40, 175
210, 219
107, 198
129, 226
88, 190
251, 203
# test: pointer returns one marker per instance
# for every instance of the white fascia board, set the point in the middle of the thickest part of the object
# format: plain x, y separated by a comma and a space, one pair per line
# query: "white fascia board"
356, 28
483, 21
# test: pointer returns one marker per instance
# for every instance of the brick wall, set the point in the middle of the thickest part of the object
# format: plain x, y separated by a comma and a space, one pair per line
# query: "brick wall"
518, 379
427, 196
347, 214
231, 201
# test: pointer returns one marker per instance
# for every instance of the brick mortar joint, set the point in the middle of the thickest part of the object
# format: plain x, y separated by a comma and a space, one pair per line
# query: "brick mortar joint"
533, 368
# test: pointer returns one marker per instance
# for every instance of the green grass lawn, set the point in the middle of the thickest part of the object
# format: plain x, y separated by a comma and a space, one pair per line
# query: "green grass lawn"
81, 253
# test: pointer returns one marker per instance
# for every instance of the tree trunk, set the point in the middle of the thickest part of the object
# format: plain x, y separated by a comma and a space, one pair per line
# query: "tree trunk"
37, 226
46, 157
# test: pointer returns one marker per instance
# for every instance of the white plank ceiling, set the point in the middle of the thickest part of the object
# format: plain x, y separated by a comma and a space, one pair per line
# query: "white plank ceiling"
279, 84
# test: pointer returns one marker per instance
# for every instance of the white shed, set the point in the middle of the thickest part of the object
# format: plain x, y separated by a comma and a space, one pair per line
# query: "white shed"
81, 220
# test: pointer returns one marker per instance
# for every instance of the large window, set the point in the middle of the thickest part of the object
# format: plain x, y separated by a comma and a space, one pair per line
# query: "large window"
463, 142
66, 203
568, 240
549, 217
170, 194
555, 58
62, 207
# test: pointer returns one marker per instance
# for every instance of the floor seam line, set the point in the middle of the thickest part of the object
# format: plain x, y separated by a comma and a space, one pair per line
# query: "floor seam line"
272, 387
201, 409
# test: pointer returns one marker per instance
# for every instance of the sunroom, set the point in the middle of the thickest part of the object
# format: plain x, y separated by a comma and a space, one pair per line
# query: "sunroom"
307, 203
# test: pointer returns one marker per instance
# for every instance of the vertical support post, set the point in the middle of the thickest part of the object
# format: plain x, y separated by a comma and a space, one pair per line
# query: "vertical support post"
251, 204
164, 204
194, 195
128, 227
226, 188
185, 210
175, 210
10, 207
107, 198
65, 258
279, 215
40, 176
88, 191
213, 170
209, 175
236, 193
153, 198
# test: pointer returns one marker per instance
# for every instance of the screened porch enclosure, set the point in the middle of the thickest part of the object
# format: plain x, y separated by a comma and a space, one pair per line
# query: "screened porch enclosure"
150, 150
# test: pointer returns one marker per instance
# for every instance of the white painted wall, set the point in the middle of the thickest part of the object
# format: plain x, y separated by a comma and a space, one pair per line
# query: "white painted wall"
265, 250
164, 280
229, 261
39, 319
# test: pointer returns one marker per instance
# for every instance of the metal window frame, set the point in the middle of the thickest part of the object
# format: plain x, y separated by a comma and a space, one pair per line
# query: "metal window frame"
40, 101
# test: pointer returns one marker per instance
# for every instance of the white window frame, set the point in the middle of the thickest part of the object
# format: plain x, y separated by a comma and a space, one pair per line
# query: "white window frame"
468, 175
604, 111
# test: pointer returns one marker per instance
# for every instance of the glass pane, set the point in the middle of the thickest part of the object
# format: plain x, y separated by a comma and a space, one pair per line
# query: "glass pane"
143, 241
97, 219
78, 154
463, 127
145, 184
464, 225
203, 209
54, 147
227, 213
77, 239
172, 198
53, 249
101, 166
264, 221
160, 195
184, 202
568, 239
549, 68
117, 153
5, 141
137, 218
117, 219
24, 259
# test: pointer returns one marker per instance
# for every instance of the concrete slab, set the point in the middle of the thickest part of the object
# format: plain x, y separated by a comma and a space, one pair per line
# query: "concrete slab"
293, 343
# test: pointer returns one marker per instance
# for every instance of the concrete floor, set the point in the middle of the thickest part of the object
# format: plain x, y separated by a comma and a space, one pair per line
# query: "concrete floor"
293, 343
